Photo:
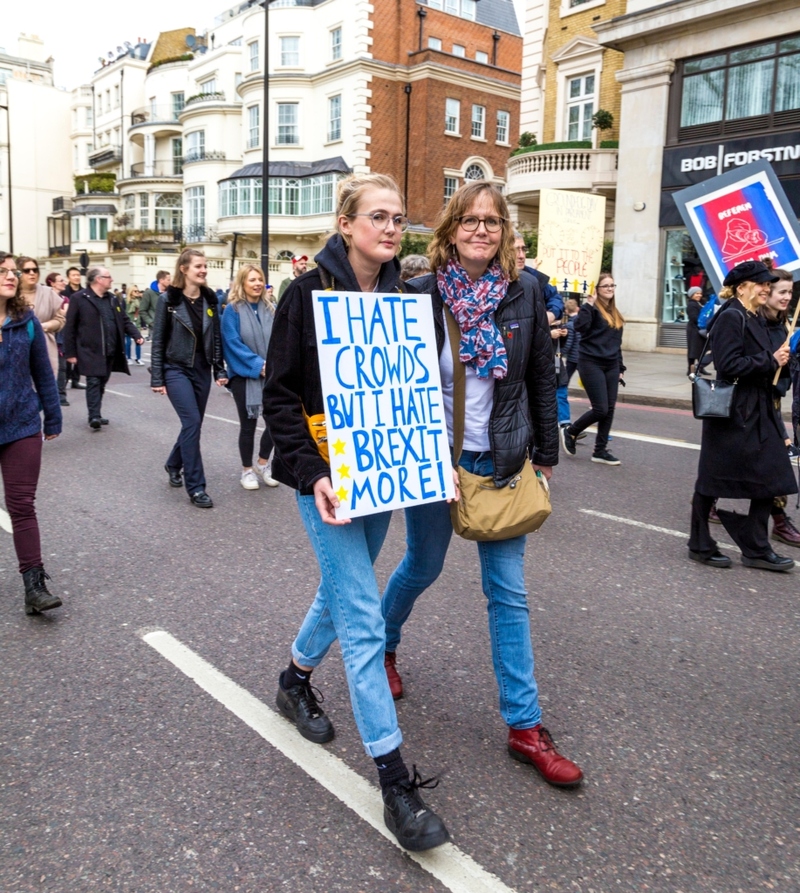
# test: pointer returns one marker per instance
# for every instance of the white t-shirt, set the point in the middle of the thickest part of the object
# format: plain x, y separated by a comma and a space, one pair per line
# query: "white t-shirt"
478, 402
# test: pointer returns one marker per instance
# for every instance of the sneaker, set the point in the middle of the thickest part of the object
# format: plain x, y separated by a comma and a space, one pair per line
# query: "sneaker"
265, 472
605, 458
793, 451
300, 705
140, 362
249, 480
414, 825
567, 441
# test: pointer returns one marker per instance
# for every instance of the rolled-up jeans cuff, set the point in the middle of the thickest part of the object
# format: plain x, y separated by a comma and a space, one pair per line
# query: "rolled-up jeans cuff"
385, 745
302, 661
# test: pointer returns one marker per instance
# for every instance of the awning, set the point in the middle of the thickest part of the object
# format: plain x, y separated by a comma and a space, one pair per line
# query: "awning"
93, 209
296, 169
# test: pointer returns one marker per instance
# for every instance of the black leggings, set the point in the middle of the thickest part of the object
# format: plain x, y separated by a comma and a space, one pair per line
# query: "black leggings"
601, 381
247, 429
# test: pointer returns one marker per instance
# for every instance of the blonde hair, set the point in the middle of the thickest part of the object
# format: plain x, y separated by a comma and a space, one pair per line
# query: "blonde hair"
726, 293
184, 259
237, 295
608, 309
350, 191
441, 247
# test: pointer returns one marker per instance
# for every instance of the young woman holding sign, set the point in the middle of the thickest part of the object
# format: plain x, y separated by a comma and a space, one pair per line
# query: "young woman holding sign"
361, 257
510, 417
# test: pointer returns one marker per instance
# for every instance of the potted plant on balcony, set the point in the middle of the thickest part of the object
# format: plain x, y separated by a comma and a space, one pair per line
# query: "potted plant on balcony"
603, 120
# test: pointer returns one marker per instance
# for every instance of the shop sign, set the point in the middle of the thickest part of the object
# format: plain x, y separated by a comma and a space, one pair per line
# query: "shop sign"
685, 165
740, 216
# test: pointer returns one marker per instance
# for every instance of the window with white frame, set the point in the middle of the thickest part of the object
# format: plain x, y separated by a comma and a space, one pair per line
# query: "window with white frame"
482, 57
89, 148
76, 229
116, 96
208, 87
177, 156
452, 115
474, 172
240, 197
450, 187
237, 79
195, 146
76, 156
503, 121
302, 197
195, 202
580, 107
463, 8
336, 44
89, 116
434, 43
288, 127
290, 52
334, 118
478, 121
129, 203
458, 50
144, 210
98, 228
254, 57
168, 212
253, 127
178, 102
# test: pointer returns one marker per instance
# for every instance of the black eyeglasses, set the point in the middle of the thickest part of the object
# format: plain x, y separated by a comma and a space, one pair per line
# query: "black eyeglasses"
471, 224
380, 219
30, 269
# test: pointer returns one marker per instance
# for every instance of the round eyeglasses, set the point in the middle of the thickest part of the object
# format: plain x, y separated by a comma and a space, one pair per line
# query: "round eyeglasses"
5, 272
380, 220
492, 224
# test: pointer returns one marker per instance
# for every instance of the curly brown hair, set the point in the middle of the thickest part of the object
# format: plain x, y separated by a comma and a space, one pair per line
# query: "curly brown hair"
16, 306
441, 248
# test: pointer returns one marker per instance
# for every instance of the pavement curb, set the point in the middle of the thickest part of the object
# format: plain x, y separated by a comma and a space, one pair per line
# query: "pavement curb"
641, 399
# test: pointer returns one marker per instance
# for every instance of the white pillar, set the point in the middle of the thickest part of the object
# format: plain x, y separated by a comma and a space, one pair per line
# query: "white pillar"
643, 128
149, 154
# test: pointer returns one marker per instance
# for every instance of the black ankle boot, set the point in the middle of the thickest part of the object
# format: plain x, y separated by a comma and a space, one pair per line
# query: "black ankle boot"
37, 596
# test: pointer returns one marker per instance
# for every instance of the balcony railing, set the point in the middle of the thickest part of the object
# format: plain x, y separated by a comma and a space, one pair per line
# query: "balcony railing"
157, 169
105, 155
582, 169
196, 233
213, 96
155, 114
62, 203
202, 155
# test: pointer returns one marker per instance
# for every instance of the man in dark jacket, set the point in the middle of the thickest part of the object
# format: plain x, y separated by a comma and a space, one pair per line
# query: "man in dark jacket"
552, 299
73, 287
149, 301
94, 337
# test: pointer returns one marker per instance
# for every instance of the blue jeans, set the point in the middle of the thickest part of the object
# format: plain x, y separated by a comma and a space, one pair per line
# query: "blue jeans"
428, 532
188, 391
563, 404
347, 606
138, 347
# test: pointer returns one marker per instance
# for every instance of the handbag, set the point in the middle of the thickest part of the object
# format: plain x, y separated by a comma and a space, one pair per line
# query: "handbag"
484, 511
712, 399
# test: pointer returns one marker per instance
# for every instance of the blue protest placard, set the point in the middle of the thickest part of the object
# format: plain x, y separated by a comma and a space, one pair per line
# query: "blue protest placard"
386, 428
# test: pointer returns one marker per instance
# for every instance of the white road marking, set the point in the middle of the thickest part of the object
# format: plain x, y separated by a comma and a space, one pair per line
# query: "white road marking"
454, 869
683, 534
218, 418
647, 438
5, 521
118, 393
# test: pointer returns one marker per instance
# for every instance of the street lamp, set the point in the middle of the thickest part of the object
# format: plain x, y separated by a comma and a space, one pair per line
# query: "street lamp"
10, 206
265, 151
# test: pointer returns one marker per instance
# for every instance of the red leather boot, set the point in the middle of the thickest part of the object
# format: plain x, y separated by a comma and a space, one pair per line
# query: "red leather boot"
395, 682
535, 746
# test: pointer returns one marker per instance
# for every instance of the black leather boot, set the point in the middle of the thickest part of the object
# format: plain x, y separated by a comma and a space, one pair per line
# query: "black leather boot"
37, 596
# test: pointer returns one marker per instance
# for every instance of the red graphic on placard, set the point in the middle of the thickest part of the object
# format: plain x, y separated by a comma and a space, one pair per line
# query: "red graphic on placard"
742, 238
737, 225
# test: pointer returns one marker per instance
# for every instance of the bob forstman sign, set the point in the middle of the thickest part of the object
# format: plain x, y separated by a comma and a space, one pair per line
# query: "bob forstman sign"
742, 215
386, 428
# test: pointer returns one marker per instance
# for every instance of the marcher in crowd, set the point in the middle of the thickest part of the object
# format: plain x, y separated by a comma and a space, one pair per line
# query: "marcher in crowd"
186, 354
569, 363
72, 287
413, 265
694, 340
361, 257
299, 266
149, 300
46, 305
505, 347
552, 299
57, 282
94, 338
776, 313
132, 307
599, 324
246, 329
744, 456
27, 386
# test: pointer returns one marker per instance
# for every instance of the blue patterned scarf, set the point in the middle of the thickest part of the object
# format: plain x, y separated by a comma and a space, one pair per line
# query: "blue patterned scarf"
473, 305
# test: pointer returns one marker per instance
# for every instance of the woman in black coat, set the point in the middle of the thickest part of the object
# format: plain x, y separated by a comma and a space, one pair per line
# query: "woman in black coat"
694, 340
187, 353
744, 456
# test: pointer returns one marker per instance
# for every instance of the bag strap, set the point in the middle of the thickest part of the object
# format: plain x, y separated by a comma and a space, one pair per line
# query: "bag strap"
705, 348
459, 385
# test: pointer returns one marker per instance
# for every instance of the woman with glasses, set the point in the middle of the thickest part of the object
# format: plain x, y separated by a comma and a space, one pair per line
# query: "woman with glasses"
360, 257
46, 305
599, 325
509, 419
27, 385
132, 303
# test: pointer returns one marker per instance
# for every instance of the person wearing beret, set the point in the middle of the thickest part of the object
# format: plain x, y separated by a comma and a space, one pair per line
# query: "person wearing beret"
744, 456
695, 342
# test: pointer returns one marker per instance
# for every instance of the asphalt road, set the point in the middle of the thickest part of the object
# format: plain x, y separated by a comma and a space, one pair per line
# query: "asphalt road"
673, 685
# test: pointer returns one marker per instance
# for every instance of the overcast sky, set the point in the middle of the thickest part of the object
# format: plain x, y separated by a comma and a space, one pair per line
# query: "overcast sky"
77, 32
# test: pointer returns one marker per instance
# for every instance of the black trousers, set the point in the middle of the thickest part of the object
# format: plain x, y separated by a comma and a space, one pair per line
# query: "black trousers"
601, 381
95, 388
188, 391
750, 532
247, 427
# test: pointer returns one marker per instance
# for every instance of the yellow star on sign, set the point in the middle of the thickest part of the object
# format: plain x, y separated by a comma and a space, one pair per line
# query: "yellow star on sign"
338, 448
342, 494
344, 471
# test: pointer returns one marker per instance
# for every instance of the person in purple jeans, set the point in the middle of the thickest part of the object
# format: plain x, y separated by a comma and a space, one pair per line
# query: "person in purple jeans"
27, 383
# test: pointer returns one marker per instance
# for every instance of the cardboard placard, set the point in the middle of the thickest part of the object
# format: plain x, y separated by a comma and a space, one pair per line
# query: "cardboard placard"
571, 230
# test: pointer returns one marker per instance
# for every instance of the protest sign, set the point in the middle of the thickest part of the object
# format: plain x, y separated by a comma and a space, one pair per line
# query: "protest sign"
387, 434
739, 216
571, 228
